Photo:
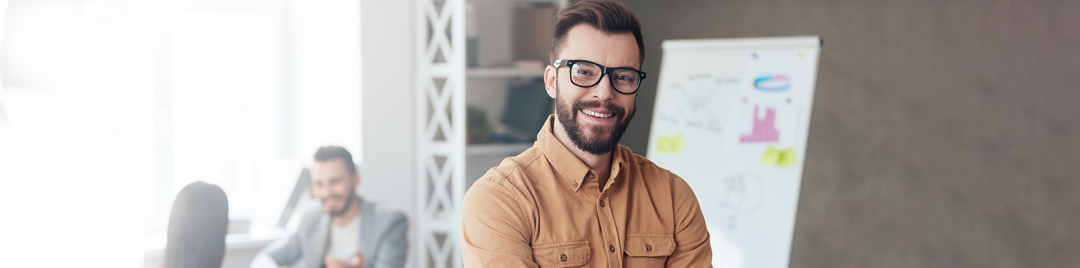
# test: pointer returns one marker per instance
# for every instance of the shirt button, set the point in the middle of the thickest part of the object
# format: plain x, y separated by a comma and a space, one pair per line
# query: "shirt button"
601, 203
563, 257
612, 248
647, 248
573, 185
590, 176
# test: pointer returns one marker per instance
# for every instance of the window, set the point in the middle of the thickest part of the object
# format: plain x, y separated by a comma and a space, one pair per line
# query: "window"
245, 96
223, 91
108, 108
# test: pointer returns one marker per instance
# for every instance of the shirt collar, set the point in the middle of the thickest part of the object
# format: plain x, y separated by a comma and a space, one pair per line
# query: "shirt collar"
569, 167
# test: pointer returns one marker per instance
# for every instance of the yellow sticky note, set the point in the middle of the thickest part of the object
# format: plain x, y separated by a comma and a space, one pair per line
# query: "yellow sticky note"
787, 157
772, 156
670, 144
782, 158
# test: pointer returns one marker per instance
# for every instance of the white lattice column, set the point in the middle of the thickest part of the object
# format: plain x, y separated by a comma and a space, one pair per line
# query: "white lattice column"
441, 120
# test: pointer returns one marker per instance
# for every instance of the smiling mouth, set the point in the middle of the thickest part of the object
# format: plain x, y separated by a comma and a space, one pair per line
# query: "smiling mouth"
596, 114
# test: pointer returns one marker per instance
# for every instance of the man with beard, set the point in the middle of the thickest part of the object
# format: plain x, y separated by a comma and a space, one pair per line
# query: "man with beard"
577, 197
341, 230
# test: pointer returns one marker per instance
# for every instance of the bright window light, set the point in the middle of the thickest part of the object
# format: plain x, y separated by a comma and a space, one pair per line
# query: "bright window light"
223, 71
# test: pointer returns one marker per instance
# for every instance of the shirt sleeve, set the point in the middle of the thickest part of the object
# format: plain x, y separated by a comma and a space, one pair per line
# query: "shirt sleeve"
691, 237
495, 229
284, 251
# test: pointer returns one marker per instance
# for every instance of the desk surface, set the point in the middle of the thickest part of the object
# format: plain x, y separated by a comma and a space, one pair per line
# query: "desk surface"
256, 238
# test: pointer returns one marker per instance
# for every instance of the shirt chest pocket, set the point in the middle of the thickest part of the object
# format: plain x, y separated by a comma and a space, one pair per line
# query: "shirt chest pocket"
562, 254
648, 250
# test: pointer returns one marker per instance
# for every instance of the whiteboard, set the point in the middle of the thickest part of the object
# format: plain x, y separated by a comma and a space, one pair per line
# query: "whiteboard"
731, 118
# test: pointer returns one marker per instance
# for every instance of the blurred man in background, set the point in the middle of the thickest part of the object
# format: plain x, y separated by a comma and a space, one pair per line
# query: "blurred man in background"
341, 230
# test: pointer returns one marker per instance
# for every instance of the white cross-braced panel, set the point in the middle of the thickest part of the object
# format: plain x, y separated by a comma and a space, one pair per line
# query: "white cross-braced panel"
441, 122
439, 127
438, 47
439, 171
439, 246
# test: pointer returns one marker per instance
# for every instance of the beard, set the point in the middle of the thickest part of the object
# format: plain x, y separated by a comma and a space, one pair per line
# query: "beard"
348, 204
604, 139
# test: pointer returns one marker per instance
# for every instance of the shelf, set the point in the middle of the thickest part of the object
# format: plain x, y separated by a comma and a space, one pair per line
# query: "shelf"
504, 72
505, 149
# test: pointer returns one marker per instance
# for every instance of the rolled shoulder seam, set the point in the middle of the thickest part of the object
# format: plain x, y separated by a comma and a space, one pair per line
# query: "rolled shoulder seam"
502, 183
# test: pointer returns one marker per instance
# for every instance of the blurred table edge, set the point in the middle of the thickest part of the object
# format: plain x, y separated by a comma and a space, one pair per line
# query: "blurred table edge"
256, 238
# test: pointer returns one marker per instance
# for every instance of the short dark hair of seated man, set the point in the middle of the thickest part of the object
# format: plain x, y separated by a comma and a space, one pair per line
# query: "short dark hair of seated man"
197, 227
342, 229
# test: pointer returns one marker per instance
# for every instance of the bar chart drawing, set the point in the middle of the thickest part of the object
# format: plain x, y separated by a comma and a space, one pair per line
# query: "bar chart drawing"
764, 127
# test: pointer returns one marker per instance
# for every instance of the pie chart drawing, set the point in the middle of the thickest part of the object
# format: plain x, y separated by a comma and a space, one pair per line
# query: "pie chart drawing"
741, 193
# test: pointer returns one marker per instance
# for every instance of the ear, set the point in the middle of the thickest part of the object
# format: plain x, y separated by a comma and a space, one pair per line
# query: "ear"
356, 178
549, 80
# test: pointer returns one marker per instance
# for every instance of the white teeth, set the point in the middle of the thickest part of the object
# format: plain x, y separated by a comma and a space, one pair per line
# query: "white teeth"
595, 114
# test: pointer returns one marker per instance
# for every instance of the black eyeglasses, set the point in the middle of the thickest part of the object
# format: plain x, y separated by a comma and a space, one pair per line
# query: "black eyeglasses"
585, 73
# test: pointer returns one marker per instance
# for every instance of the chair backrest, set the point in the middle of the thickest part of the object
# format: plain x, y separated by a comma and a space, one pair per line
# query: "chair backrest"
198, 224
294, 199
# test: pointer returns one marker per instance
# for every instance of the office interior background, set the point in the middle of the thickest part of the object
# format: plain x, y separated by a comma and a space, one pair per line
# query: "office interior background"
944, 132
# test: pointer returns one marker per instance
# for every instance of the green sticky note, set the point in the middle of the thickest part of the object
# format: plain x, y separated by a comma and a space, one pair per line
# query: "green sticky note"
670, 144
782, 158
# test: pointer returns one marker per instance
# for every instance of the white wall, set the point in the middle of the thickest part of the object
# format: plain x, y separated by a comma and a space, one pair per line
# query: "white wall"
324, 67
389, 74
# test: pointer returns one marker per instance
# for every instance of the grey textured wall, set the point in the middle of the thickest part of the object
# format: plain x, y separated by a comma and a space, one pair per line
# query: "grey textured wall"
944, 133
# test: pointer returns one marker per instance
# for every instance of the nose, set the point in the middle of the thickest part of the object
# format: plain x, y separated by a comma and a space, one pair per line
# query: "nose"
603, 90
319, 191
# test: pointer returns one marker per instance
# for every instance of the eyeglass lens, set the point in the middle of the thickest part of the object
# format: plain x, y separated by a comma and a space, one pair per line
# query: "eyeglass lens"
587, 74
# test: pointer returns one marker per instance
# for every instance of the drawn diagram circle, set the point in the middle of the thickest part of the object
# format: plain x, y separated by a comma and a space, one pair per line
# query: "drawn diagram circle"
742, 193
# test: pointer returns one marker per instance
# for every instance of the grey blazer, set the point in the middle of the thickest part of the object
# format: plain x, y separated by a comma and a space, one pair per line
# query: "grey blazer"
383, 241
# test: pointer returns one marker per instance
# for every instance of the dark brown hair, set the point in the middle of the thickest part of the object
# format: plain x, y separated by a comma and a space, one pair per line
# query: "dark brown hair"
327, 153
607, 16
197, 227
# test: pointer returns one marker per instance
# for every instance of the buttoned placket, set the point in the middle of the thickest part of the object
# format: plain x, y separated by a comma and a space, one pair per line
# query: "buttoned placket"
608, 228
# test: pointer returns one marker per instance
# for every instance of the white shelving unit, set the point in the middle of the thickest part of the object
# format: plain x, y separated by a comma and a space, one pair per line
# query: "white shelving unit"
488, 85
440, 145
445, 164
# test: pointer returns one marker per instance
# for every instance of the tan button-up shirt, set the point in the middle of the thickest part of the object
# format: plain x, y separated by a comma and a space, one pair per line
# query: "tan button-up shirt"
545, 208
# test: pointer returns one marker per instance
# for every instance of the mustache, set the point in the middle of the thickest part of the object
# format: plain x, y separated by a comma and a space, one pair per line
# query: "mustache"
332, 197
